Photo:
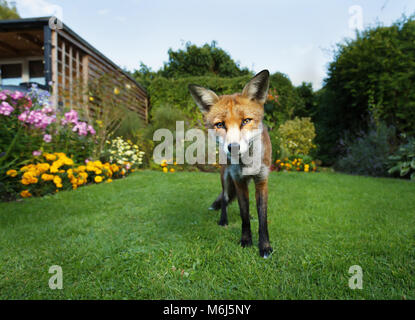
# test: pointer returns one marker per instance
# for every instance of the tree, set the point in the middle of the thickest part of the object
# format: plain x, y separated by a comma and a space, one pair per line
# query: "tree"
201, 61
7, 12
285, 101
306, 93
371, 77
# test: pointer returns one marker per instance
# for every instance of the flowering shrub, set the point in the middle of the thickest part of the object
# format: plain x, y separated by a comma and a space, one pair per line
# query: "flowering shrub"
165, 166
54, 172
296, 163
297, 136
124, 153
29, 125
24, 122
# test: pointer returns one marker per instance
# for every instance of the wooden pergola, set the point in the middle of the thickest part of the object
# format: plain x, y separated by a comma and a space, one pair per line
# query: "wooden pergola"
69, 61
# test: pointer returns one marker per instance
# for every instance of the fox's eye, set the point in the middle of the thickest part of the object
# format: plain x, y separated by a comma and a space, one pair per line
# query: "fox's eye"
220, 125
246, 121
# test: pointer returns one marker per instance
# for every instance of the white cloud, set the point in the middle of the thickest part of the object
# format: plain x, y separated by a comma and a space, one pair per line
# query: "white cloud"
38, 8
103, 12
120, 19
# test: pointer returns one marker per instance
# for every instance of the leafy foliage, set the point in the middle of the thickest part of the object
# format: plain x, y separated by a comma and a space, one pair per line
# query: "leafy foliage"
297, 136
403, 161
201, 61
368, 154
371, 75
283, 102
7, 12
174, 92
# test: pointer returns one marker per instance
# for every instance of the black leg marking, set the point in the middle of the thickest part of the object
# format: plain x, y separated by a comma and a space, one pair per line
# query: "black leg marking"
242, 193
265, 248
224, 213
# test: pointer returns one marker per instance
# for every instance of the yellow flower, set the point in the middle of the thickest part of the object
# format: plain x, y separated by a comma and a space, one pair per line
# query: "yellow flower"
165, 170
90, 168
98, 164
47, 177
43, 167
172, 170
98, 179
50, 157
29, 178
91, 99
116, 91
109, 180
25, 194
57, 181
12, 173
68, 161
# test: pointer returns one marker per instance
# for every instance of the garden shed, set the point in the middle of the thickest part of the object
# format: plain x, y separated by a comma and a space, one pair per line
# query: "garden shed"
47, 52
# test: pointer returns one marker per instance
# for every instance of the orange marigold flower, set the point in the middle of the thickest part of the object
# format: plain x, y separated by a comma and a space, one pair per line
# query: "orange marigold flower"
25, 194
12, 173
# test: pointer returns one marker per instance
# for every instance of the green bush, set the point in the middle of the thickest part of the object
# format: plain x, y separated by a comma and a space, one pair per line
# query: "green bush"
284, 101
297, 136
8, 11
368, 154
403, 161
175, 93
371, 75
201, 61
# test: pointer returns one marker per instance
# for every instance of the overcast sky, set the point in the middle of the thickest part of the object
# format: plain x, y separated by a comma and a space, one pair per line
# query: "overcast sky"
294, 37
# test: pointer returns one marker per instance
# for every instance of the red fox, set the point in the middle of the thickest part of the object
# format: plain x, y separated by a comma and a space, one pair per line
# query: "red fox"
237, 121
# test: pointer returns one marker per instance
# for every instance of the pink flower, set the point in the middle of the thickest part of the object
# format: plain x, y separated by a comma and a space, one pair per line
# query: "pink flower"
47, 138
37, 118
81, 128
91, 130
37, 153
70, 117
5, 108
3, 96
17, 95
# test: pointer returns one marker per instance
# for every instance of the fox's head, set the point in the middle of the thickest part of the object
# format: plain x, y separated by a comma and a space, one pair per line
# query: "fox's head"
236, 118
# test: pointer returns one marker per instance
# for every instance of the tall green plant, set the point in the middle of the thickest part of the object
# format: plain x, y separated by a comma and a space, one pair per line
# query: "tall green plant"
403, 161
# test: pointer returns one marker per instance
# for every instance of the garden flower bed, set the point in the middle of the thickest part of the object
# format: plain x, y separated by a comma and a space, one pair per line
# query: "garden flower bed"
56, 172
44, 151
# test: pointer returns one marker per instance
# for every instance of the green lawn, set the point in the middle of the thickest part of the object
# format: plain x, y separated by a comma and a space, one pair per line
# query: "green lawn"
131, 240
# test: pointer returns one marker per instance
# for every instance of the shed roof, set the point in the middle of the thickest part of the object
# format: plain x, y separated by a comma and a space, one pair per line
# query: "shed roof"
28, 23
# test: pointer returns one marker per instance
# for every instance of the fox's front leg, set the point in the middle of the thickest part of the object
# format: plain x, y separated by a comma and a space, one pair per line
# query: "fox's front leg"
242, 193
261, 188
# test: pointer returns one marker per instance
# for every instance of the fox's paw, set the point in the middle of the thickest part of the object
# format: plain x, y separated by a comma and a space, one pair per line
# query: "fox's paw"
246, 242
223, 223
265, 252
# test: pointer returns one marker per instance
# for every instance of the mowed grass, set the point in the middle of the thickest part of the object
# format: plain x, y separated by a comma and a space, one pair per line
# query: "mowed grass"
150, 236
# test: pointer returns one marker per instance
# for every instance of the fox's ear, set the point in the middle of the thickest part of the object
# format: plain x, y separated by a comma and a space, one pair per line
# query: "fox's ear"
203, 97
257, 88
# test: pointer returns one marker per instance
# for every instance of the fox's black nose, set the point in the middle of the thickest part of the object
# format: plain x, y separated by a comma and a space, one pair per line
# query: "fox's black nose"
234, 146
